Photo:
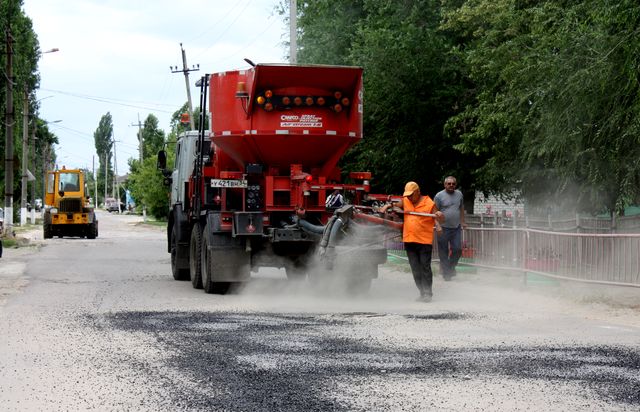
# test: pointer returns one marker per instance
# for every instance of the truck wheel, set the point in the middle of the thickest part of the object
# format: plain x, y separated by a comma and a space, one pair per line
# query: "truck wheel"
208, 284
178, 273
48, 234
92, 231
195, 256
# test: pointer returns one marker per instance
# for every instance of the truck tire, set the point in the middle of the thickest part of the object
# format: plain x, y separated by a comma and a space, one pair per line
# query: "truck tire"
195, 256
178, 273
92, 231
208, 284
48, 232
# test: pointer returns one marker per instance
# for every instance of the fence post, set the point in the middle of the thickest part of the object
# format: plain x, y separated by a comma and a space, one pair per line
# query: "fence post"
482, 232
614, 223
514, 260
525, 248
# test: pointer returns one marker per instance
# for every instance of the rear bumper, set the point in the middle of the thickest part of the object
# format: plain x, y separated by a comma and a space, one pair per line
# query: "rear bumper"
71, 218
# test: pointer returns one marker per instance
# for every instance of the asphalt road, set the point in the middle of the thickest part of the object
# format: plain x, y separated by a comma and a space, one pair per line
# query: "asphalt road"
101, 325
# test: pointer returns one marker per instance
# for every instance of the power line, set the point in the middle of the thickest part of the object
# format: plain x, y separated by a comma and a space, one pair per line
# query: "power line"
112, 101
217, 22
226, 29
248, 44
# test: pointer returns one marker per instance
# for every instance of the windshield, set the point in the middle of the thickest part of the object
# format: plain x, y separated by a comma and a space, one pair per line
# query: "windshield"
69, 182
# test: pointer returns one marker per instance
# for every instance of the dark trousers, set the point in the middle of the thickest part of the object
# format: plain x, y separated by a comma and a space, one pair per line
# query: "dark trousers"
420, 261
449, 240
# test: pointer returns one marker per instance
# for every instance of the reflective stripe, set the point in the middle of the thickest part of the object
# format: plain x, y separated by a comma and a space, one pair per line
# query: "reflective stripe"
282, 132
332, 132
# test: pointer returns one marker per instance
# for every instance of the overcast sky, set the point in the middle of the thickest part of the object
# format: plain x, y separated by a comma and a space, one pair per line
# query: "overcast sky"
115, 56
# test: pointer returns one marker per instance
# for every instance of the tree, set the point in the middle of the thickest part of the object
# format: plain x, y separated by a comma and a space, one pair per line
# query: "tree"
43, 152
152, 137
19, 38
103, 137
555, 104
327, 29
147, 186
146, 182
412, 83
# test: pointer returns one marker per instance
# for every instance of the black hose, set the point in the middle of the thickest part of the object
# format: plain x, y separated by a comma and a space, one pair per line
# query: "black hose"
335, 232
310, 227
326, 232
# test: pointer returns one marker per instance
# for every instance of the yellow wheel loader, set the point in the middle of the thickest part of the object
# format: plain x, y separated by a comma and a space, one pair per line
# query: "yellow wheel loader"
67, 208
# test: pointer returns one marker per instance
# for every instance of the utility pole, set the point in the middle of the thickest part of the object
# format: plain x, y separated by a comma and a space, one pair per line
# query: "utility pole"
25, 157
186, 71
95, 182
106, 174
293, 32
45, 168
33, 166
9, 120
140, 148
116, 185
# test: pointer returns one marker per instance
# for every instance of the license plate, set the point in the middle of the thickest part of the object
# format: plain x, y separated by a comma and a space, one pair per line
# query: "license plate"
242, 184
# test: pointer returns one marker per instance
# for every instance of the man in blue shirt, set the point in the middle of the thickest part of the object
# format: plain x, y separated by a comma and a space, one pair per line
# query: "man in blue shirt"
450, 202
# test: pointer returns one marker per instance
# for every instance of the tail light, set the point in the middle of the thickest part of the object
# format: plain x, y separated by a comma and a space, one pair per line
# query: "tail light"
269, 101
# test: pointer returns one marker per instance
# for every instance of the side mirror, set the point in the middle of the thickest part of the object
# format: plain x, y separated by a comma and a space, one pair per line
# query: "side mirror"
162, 160
61, 193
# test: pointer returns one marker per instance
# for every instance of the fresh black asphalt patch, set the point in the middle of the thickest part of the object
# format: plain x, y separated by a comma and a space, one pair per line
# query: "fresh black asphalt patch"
266, 361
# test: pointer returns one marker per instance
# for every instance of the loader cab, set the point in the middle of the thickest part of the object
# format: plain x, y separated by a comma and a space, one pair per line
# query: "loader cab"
68, 182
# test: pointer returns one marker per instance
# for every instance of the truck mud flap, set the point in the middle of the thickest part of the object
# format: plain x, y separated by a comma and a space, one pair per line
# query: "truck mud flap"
229, 265
226, 256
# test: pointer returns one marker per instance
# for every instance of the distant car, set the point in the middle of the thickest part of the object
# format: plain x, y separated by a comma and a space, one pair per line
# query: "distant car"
111, 205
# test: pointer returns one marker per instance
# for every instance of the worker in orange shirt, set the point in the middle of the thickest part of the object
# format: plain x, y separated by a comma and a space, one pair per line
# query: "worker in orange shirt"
417, 235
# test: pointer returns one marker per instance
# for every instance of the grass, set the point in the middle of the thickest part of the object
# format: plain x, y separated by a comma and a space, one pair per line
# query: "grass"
153, 222
10, 243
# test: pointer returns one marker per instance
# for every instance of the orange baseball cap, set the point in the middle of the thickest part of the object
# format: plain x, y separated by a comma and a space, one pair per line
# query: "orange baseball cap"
409, 188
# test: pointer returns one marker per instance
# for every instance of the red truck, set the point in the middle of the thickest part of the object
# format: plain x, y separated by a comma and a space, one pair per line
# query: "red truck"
251, 189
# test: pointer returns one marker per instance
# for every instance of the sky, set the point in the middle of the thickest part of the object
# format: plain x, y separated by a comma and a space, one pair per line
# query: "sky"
115, 56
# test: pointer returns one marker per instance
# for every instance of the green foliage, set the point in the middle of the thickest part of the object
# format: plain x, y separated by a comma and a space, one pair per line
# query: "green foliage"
146, 182
147, 188
103, 137
412, 83
25, 52
555, 98
328, 29
152, 137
